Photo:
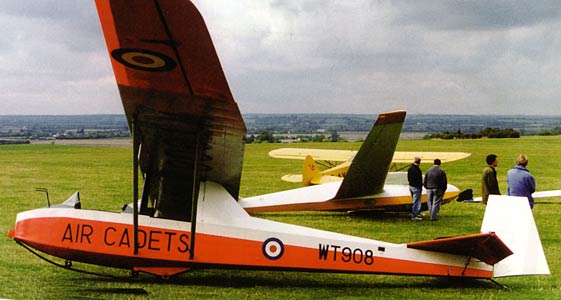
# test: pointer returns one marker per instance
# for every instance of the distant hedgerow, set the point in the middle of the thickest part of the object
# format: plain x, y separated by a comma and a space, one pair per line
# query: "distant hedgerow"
488, 132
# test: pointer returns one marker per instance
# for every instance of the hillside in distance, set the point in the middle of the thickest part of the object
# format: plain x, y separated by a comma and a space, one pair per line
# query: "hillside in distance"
95, 126
313, 123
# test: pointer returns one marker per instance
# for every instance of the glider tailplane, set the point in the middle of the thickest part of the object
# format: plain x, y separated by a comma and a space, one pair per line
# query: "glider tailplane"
511, 219
368, 171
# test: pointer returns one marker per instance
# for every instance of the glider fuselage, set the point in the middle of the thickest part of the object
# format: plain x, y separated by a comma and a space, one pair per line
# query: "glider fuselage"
226, 236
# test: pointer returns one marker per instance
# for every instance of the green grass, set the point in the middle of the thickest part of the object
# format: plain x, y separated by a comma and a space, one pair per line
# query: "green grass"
103, 177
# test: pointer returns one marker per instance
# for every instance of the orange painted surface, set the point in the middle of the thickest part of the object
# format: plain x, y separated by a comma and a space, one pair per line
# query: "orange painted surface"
111, 244
487, 247
160, 27
161, 271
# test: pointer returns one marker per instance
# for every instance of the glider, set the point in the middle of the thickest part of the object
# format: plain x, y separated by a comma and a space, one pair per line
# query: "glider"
366, 186
335, 172
188, 145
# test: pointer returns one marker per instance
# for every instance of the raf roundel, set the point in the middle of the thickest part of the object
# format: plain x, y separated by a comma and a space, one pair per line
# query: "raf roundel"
144, 60
273, 248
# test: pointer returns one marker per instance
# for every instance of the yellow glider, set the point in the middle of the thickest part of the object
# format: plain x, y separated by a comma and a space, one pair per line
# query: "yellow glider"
312, 175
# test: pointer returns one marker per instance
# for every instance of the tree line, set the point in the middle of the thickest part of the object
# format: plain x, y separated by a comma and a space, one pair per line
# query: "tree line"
492, 133
269, 137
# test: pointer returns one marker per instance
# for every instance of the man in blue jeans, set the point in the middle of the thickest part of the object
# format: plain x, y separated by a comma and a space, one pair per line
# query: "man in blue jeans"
436, 184
415, 178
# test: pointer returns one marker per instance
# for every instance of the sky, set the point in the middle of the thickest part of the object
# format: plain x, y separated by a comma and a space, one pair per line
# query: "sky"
308, 56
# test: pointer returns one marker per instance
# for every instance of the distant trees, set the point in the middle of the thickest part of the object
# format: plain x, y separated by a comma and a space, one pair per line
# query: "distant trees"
13, 141
334, 137
498, 133
553, 131
487, 132
263, 137
269, 137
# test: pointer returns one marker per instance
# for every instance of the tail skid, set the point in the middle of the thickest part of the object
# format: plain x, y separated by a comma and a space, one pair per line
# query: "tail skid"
511, 219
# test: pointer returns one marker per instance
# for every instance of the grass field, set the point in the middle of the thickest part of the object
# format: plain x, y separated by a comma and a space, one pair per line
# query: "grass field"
103, 177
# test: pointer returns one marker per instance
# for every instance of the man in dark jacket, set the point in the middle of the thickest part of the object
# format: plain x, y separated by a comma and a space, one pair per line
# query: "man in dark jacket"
489, 183
435, 184
415, 178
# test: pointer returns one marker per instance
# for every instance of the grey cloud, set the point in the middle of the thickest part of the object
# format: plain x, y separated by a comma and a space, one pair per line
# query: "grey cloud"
477, 15
310, 56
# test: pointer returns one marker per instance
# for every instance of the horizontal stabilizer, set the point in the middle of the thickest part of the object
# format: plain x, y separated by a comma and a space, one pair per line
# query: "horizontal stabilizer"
486, 247
511, 219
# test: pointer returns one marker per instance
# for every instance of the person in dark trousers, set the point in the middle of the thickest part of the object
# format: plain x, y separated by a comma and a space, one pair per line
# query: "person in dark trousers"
435, 184
489, 183
520, 181
415, 178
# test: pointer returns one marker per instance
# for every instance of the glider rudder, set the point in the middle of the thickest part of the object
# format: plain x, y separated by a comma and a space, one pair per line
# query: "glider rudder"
512, 220
310, 171
367, 174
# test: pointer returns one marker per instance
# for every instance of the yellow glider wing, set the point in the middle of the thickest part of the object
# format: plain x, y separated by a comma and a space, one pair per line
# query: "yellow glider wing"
316, 154
345, 155
428, 157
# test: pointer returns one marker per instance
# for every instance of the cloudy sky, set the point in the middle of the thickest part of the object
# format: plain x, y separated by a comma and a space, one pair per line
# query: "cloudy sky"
308, 56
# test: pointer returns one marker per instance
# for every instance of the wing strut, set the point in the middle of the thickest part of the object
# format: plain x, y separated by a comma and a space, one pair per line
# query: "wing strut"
135, 148
195, 194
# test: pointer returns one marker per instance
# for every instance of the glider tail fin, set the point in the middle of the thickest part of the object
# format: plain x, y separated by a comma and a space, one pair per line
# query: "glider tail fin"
310, 171
368, 171
511, 219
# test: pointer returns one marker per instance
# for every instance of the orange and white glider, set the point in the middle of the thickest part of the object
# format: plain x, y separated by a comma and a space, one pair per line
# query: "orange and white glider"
188, 144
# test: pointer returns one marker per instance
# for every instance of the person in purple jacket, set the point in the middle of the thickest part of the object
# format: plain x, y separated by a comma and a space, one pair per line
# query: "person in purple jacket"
520, 181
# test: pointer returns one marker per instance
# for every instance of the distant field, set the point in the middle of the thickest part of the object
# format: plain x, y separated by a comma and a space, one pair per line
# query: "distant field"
353, 136
103, 176
116, 142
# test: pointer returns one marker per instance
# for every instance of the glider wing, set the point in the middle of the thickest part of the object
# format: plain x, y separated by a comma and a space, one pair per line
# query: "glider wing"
316, 154
428, 157
176, 99
346, 155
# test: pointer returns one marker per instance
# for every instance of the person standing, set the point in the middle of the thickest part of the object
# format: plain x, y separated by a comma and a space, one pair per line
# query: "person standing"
520, 181
489, 183
435, 184
415, 178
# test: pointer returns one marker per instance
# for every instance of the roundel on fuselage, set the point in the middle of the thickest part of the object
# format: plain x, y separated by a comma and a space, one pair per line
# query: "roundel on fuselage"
273, 248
